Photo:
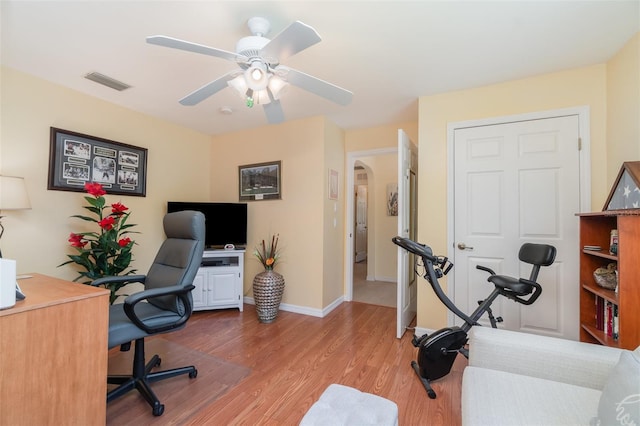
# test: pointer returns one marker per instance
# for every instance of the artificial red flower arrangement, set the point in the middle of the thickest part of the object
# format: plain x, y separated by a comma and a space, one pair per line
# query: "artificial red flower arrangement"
108, 251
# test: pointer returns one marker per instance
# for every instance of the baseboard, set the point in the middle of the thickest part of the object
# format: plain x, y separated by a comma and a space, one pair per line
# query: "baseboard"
383, 279
304, 310
419, 331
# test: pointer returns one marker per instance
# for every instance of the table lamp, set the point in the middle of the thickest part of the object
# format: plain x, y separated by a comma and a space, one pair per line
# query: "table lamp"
13, 196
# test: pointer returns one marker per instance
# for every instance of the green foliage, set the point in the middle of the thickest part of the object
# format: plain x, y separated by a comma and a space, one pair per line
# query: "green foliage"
106, 252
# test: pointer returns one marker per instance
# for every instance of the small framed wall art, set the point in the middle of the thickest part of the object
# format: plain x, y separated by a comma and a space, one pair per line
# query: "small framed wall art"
261, 181
333, 184
75, 159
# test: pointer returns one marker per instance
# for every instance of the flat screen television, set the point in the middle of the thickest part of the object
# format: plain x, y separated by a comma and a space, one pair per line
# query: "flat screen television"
226, 223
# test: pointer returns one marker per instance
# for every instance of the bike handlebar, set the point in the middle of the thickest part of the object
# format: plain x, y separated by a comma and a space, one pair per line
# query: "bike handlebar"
431, 275
415, 248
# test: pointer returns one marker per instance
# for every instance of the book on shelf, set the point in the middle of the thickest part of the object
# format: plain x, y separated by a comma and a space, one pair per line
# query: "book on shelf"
607, 317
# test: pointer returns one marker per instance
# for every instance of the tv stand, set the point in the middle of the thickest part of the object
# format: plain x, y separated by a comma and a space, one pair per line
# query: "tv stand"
218, 282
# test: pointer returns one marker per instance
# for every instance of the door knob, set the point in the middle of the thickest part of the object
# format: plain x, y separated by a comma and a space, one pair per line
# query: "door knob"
463, 246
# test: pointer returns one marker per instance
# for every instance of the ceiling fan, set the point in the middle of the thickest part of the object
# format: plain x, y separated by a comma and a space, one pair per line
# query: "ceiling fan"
261, 78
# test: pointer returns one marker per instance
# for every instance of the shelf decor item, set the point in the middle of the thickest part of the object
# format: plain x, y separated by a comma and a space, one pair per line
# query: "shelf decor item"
606, 277
106, 252
268, 285
625, 192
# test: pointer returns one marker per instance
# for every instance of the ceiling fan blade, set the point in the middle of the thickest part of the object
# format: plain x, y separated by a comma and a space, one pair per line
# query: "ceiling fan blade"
273, 111
293, 39
315, 85
175, 43
208, 89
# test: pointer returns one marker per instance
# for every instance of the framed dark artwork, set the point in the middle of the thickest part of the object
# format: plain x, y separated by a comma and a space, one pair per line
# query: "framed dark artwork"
260, 181
75, 159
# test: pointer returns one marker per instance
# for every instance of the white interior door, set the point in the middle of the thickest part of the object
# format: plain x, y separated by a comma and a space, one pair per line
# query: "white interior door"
515, 183
407, 179
361, 223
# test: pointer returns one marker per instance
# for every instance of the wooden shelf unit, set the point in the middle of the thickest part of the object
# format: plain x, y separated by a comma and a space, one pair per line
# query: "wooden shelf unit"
595, 229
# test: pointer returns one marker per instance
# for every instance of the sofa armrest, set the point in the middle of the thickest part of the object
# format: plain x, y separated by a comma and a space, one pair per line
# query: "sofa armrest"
560, 360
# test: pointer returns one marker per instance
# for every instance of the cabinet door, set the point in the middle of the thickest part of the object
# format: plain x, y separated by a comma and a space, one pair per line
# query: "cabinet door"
199, 293
222, 288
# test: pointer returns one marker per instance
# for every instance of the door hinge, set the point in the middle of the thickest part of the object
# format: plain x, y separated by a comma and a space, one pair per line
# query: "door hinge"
579, 144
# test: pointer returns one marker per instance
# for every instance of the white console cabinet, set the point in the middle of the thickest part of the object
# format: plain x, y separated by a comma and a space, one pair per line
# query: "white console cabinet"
219, 280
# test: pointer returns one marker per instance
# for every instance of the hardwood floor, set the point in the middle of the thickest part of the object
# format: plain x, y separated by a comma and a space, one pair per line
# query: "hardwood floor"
270, 374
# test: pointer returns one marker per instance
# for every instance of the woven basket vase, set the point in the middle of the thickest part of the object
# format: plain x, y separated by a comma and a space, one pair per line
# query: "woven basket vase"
268, 287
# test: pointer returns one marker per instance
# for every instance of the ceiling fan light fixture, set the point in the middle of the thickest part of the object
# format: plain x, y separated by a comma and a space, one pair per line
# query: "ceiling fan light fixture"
277, 86
261, 97
257, 76
239, 84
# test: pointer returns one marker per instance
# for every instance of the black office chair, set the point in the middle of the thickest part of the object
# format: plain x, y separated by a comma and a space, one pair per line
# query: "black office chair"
164, 305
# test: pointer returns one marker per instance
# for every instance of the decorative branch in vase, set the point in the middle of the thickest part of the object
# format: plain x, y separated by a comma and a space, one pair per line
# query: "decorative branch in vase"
268, 285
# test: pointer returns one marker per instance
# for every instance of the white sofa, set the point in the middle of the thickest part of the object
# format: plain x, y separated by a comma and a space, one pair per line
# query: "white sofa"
522, 379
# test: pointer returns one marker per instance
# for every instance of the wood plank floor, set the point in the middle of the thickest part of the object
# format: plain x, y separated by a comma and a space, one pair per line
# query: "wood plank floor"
270, 374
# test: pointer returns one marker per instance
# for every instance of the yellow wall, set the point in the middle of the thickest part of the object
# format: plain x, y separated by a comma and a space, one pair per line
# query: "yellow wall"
307, 148
623, 108
37, 238
378, 137
334, 225
578, 87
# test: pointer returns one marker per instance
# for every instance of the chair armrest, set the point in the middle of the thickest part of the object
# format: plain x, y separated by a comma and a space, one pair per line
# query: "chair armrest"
181, 292
119, 279
560, 360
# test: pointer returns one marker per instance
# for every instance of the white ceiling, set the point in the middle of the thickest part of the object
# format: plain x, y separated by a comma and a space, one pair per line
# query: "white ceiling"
388, 53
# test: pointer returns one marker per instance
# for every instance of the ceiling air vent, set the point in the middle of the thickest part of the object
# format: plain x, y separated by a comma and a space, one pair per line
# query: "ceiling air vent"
107, 81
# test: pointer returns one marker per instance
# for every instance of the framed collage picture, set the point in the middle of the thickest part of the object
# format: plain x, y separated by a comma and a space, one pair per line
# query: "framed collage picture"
75, 159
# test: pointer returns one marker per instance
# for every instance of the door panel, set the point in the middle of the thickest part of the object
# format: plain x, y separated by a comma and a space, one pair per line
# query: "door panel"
407, 204
515, 183
361, 223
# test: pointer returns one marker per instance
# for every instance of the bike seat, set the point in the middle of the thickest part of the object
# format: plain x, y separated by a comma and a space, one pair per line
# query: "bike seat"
514, 285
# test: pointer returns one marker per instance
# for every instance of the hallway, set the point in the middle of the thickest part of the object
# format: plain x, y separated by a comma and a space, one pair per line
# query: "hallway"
372, 292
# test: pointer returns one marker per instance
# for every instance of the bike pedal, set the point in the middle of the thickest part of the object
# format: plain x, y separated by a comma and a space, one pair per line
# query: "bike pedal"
499, 319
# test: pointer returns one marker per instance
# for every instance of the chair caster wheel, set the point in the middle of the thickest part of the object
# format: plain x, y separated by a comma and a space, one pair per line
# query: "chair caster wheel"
158, 409
193, 374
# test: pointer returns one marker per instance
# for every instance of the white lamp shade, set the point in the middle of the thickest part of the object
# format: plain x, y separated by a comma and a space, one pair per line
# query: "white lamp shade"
277, 86
257, 76
261, 97
239, 84
13, 193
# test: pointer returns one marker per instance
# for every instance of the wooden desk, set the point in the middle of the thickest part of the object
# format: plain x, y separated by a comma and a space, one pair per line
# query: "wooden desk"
53, 354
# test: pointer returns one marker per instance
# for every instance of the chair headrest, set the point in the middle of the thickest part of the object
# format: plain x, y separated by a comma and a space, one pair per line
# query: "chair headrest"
187, 224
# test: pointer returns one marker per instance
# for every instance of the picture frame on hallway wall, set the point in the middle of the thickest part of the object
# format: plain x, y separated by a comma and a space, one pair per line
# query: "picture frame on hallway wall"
76, 159
260, 181
333, 184
392, 199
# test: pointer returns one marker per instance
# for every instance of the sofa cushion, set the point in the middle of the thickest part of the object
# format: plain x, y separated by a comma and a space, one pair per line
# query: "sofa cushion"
492, 397
344, 406
551, 358
620, 400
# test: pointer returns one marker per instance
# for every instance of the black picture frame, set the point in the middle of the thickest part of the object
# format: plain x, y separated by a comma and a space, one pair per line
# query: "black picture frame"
260, 181
76, 158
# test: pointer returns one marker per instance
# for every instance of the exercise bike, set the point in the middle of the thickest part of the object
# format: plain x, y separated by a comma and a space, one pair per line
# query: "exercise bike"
438, 350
